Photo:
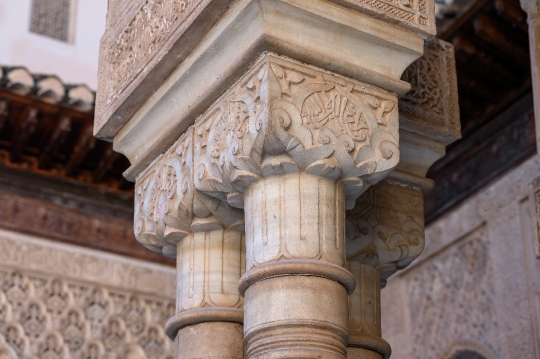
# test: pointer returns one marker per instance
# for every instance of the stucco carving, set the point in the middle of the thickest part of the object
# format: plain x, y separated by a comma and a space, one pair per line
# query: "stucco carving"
150, 27
50, 310
106, 270
431, 107
462, 274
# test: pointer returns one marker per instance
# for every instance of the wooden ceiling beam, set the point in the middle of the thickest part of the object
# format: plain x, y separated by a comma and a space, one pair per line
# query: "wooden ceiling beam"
61, 132
4, 112
104, 165
23, 133
85, 144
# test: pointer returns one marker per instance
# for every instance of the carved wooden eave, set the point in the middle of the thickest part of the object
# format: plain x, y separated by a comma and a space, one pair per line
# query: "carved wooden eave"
46, 129
291, 28
57, 181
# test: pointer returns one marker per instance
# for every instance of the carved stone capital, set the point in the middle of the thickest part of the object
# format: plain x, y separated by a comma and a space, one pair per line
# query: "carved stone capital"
283, 117
385, 230
168, 207
386, 227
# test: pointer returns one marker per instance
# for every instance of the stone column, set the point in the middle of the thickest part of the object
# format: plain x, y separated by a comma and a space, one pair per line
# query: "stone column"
290, 110
532, 8
206, 236
385, 230
295, 145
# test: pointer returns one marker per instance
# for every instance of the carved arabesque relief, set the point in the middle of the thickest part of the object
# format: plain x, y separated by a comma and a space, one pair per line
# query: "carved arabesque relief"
284, 117
431, 107
53, 318
168, 207
281, 117
149, 28
414, 15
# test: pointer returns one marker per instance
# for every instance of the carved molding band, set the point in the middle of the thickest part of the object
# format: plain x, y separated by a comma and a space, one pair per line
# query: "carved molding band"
417, 16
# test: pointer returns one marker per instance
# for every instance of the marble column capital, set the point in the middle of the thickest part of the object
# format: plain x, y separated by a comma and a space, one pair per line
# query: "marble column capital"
284, 117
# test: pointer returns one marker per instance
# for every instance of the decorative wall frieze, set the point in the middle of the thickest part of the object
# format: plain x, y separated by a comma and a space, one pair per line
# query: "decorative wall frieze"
54, 259
431, 107
60, 301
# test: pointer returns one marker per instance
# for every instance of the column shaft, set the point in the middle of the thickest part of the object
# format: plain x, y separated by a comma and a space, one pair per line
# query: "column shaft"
296, 301
365, 340
209, 310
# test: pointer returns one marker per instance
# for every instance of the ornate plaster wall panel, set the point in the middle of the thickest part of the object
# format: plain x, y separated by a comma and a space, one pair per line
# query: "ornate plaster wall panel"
60, 301
475, 287
461, 281
431, 107
415, 15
